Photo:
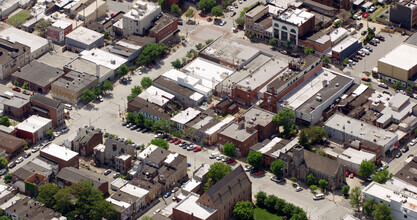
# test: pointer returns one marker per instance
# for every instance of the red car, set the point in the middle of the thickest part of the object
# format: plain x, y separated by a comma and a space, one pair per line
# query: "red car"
358, 57
177, 142
347, 173
366, 79
259, 172
197, 149
351, 175
365, 15
17, 89
231, 161
173, 140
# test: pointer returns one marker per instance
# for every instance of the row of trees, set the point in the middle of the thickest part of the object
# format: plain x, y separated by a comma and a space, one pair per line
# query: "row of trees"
89, 95
151, 53
80, 200
145, 83
160, 143
367, 168
279, 206
177, 64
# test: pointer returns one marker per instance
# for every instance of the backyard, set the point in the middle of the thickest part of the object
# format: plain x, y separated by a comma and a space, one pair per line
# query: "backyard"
19, 18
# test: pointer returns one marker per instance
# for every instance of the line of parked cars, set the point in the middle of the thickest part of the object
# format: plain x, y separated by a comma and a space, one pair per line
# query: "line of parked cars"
134, 127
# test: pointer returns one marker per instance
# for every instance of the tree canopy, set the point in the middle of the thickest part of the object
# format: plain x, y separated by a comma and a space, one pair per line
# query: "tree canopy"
356, 198
345, 190
382, 176
189, 13
206, 5
366, 168
151, 53
146, 82
308, 50
244, 210
382, 212
107, 86
276, 167
229, 149
176, 64
311, 180
255, 159
46, 194
160, 143
7, 178
5, 121
217, 11
3, 162
323, 184
284, 119
123, 70
216, 172
175, 9
260, 199
88, 96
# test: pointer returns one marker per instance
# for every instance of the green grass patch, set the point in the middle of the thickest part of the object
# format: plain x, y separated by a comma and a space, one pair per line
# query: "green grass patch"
19, 18
379, 11
262, 214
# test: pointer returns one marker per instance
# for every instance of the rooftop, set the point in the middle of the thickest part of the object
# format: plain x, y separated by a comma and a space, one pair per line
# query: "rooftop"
61, 24
60, 152
255, 10
257, 116
10, 142
185, 116
33, 123
295, 16
357, 156
88, 67
134, 190
75, 81
202, 86
219, 125
58, 60
74, 175
15, 35
170, 84
10, 50
401, 57
360, 130
408, 173
237, 131
103, 58
162, 22
189, 205
45, 100
156, 96
16, 102
202, 68
270, 146
142, 9
347, 42
84, 35
320, 163
337, 34
39, 73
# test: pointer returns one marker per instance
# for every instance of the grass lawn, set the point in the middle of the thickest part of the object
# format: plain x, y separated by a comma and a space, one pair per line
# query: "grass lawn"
379, 11
262, 214
19, 18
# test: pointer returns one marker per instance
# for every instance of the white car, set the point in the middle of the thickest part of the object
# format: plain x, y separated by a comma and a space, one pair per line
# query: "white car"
413, 142
298, 189
219, 158
157, 211
19, 160
275, 179
247, 168
35, 149
100, 98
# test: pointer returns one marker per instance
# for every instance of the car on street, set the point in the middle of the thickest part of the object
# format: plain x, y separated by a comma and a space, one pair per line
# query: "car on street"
17, 89
240, 1
383, 85
360, 53
19, 160
57, 134
116, 175
368, 48
225, 159
173, 140
275, 179
381, 38
134, 127
27, 155
365, 51
404, 149
12, 164
157, 211
233, 14
366, 79
355, 59
230, 161
364, 33
197, 149
3, 171
386, 92
129, 125
365, 15
373, 43
26, 92
174, 190
65, 130
35, 149
298, 189
318, 196
284, 52
247, 168
168, 194
177, 142
100, 98
347, 173
372, 9
188, 164
220, 157
124, 124
358, 57
413, 142
411, 155
107, 172
360, 26
190, 148
236, 6
259, 173
398, 155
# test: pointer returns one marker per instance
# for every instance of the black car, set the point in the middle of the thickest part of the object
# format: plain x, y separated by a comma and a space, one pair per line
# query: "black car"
27, 155
386, 92
360, 25
381, 38
355, 59
12, 164
294, 55
180, 22
364, 33
134, 127
373, 43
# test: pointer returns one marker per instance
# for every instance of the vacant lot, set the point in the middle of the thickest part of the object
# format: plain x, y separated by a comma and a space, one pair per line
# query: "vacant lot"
19, 18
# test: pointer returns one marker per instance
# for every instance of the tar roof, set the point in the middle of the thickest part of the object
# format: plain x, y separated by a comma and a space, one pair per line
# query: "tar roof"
75, 81
45, 100
320, 163
39, 73
256, 115
171, 85
58, 60
185, 116
255, 10
236, 131
16, 102
409, 172
74, 175
9, 142
10, 50
84, 35
162, 22
33, 123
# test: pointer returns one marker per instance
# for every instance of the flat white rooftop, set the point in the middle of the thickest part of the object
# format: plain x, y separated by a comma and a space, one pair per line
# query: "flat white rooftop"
402, 57
134, 190
61, 24
270, 145
185, 116
59, 152
117, 202
23, 37
338, 34
296, 17
202, 68
219, 125
189, 205
190, 185
199, 85
84, 35
103, 58
141, 10
156, 96
344, 44
33, 123
147, 151
171, 157
356, 156
286, 148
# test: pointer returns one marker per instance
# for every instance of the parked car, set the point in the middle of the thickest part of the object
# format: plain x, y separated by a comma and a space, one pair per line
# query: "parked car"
373, 43
275, 179
197, 149
220, 157
27, 155
360, 25
65, 130
284, 52
351, 175
17, 89
12, 164
318, 196
35, 149
19, 160
347, 173
386, 92
364, 33
368, 48
124, 123
398, 155
411, 155
404, 149
247, 168
381, 38
116, 175
236, 6
188, 164
173, 140
383, 85
107, 172
190, 148
298, 189
230, 161
177, 142
3, 171
168, 194
366, 79
213, 155
358, 57
174, 190
233, 14
134, 127
157, 211
365, 15
258, 173
355, 59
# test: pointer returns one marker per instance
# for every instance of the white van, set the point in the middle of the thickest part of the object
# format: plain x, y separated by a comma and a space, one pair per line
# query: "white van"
318, 196
68, 106
214, 155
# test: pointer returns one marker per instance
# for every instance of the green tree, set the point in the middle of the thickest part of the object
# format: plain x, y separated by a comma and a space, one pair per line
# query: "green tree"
25, 86
216, 172
189, 13
244, 210
409, 89
3, 162
288, 209
311, 180
64, 201
366, 168
146, 82
160, 143
136, 90
151, 53
356, 198
337, 23
293, 179
383, 80
206, 5
284, 119
260, 199
323, 184
273, 42
147, 218
7, 178
123, 70
176, 64
130, 117
270, 202
5, 121
162, 3
345, 190
175, 9
240, 21
46, 193
88, 96
255, 159
251, 36
369, 206
326, 60
345, 61
314, 188
97, 90
315, 134
382, 212
308, 50
276, 167
382, 176
15, 82
288, 44
107, 86
217, 11
4, 217
300, 216
49, 134
140, 119
303, 139
148, 123
397, 85
229, 149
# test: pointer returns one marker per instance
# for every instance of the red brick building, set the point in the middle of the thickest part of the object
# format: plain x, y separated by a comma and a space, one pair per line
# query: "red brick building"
86, 140
164, 29
242, 136
338, 4
60, 155
299, 72
48, 108
58, 30
16, 107
11, 144
261, 120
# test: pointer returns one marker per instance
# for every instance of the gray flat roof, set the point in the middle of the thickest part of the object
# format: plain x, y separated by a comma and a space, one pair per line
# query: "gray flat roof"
75, 81
39, 73
84, 35
16, 102
58, 60
256, 115
235, 132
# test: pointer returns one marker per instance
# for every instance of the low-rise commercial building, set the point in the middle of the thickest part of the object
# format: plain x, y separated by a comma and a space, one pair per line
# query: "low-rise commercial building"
157, 96
165, 29
86, 139
58, 30
70, 87
352, 159
13, 55
242, 136
62, 156
139, 19
11, 144
38, 45
184, 117
398, 64
17, 107
257, 20
345, 48
185, 96
48, 108
83, 39
70, 175
149, 110
404, 13
33, 129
